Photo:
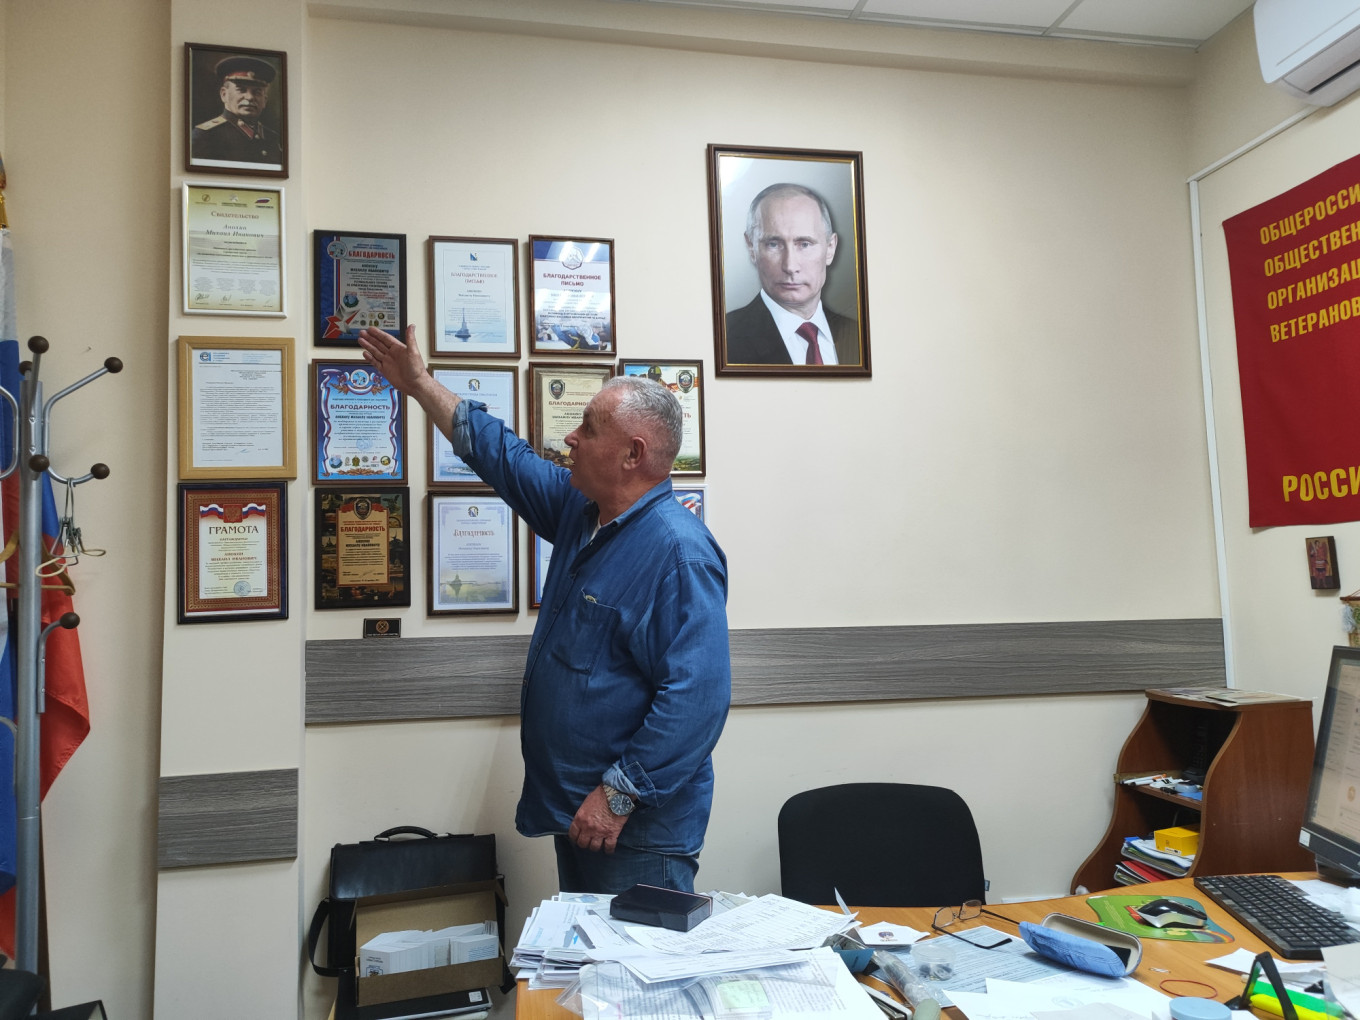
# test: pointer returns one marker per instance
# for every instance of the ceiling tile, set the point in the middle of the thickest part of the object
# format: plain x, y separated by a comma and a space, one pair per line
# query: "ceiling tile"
1166, 19
1027, 13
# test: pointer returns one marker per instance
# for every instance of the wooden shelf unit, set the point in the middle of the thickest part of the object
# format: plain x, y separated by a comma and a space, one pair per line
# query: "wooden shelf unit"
1260, 761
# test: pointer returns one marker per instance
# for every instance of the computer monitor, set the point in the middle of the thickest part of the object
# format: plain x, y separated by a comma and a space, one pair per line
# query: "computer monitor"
1331, 825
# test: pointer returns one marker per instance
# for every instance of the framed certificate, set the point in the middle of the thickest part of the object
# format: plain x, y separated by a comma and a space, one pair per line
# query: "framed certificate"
360, 281
236, 407
694, 499
686, 380
361, 555
573, 288
495, 386
233, 562
474, 297
558, 395
358, 425
472, 563
541, 550
233, 254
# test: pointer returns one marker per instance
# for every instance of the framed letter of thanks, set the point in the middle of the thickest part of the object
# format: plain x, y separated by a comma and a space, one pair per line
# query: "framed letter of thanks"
685, 379
362, 559
236, 407
573, 294
474, 297
358, 425
473, 557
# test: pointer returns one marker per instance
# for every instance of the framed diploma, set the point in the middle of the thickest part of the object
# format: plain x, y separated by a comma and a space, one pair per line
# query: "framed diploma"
686, 380
236, 111
541, 550
233, 562
472, 564
360, 281
233, 254
474, 297
361, 555
694, 500
573, 288
358, 425
558, 395
495, 386
236, 407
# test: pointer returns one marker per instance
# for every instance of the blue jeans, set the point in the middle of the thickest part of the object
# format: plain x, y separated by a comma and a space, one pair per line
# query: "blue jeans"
596, 871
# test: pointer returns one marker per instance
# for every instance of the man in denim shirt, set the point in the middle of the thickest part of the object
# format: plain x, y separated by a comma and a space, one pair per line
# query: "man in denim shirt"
628, 678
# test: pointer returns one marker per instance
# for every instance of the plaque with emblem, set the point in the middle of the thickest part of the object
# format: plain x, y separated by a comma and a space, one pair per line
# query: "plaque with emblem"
360, 549
236, 110
360, 282
358, 425
233, 562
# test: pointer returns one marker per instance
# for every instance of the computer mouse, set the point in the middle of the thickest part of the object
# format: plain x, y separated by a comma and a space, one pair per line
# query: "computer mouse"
1167, 913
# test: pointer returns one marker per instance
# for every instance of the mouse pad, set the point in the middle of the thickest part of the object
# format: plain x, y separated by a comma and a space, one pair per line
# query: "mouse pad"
1118, 912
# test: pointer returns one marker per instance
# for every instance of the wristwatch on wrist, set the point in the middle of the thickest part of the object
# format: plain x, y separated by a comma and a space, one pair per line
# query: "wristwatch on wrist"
619, 802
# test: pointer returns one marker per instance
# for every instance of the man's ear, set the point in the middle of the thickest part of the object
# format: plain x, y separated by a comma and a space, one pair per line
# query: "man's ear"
831, 242
636, 455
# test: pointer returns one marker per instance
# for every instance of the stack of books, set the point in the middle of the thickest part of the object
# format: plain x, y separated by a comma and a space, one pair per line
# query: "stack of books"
1143, 862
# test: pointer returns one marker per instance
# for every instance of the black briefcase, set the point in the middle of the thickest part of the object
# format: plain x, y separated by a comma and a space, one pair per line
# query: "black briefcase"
419, 881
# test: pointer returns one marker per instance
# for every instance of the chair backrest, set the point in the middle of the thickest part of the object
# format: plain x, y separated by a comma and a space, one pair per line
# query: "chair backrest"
881, 845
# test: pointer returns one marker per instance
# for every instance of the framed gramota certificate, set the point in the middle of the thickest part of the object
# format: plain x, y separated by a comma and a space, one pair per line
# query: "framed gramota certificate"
493, 386
361, 555
233, 562
360, 281
474, 296
573, 288
558, 395
358, 425
686, 380
472, 565
233, 251
541, 551
236, 407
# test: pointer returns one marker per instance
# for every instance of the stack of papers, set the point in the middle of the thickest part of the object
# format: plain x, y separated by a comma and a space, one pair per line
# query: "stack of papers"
1143, 862
396, 952
744, 933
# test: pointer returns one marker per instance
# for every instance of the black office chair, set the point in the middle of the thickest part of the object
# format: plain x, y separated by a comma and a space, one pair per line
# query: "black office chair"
881, 845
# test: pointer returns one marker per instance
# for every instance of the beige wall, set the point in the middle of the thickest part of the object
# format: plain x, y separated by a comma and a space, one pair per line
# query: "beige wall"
1031, 446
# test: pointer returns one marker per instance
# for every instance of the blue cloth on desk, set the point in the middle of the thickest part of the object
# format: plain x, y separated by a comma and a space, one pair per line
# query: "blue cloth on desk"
1072, 950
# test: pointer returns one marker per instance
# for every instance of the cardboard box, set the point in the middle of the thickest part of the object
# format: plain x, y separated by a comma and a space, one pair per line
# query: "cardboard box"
427, 909
1179, 839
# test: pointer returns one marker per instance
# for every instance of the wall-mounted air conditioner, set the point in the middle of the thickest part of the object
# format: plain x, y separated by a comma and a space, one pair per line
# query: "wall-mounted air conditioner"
1310, 48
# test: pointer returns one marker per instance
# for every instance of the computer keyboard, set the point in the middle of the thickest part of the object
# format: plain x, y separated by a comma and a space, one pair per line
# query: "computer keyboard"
1283, 917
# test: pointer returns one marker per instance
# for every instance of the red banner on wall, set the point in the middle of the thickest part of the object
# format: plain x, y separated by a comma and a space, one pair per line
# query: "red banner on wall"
1295, 268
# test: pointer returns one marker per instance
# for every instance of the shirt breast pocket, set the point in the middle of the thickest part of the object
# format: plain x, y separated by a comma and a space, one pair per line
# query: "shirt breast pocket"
589, 630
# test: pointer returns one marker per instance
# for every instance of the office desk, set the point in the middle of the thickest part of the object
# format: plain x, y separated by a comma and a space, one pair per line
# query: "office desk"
1162, 958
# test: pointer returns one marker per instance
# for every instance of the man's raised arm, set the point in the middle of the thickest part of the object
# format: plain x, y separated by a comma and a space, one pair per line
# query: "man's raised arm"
402, 366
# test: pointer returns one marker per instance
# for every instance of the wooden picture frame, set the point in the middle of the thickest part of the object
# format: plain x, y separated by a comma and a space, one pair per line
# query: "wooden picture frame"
685, 379
233, 552
236, 417
557, 396
358, 425
571, 283
497, 386
235, 110
540, 556
358, 565
471, 555
808, 207
358, 280
480, 275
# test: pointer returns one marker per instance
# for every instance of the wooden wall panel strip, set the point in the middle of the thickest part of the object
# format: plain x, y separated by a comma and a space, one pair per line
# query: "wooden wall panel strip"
227, 817
430, 678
